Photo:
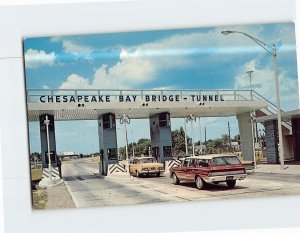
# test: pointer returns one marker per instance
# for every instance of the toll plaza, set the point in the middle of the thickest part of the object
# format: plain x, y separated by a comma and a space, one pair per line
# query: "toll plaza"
159, 106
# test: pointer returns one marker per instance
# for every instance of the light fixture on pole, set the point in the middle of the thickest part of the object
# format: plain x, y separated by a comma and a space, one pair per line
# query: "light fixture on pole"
273, 51
46, 122
192, 118
125, 120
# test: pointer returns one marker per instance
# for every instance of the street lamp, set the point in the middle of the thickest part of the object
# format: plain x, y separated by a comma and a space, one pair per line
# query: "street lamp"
271, 50
192, 118
125, 120
46, 122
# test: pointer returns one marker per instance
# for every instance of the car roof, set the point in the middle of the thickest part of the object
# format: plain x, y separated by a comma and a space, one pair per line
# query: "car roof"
210, 156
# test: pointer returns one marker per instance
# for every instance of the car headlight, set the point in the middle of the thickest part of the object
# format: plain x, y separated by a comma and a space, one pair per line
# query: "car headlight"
144, 169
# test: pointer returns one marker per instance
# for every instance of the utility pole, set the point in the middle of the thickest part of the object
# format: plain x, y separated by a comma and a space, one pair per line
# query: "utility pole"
229, 136
205, 134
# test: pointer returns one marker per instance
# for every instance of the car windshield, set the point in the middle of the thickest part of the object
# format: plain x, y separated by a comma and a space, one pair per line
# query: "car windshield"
228, 160
148, 160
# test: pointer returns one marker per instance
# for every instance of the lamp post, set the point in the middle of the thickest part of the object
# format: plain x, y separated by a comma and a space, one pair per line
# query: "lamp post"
192, 118
273, 51
46, 122
125, 120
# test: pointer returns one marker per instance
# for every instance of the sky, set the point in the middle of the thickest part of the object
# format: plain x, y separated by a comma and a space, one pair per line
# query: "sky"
194, 58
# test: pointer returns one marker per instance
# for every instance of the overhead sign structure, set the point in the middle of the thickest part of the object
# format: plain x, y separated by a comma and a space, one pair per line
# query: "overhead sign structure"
137, 104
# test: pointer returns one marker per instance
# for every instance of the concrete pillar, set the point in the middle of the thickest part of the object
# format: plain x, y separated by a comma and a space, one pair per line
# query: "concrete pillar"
161, 139
52, 143
272, 141
296, 136
246, 136
107, 141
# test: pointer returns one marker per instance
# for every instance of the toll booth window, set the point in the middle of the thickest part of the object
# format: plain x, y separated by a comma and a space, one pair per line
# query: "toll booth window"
167, 151
112, 154
109, 121
164, 120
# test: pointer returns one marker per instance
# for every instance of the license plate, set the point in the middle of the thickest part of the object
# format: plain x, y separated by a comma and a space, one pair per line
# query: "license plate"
229, 178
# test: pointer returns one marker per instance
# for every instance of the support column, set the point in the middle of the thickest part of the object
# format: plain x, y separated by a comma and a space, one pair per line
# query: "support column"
296, 136
161, 138
246, 136
272, 142
107, 141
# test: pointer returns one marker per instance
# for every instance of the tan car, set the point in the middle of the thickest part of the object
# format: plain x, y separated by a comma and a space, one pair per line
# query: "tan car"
146, 166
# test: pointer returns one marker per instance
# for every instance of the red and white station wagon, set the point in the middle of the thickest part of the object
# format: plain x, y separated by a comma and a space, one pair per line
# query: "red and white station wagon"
209, 169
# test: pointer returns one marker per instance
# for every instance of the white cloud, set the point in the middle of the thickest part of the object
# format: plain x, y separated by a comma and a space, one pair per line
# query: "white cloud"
75, 81
263, 82
36, 58
75, 49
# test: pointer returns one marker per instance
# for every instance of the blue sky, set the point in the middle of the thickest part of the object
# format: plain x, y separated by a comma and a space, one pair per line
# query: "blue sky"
200, 58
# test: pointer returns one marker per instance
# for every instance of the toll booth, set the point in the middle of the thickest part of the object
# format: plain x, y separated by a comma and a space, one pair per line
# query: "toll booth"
161, 139
107, 141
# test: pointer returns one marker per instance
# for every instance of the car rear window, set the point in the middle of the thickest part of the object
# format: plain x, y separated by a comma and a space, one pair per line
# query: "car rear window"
222, 161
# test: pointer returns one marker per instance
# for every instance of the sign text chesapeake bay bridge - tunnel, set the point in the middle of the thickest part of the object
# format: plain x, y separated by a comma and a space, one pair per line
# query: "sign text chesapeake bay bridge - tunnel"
125, 98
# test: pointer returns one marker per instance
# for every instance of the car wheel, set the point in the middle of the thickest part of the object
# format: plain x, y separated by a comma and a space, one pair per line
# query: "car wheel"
158, 174
175, 179
231, 183
199, 183
137, 174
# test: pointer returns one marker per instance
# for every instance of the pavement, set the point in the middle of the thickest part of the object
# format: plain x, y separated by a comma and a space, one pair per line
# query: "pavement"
276, 169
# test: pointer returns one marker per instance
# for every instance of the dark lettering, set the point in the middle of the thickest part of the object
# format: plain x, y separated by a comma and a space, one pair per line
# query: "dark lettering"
153, 98
147, 98
193, 97
134, 98
100, 98
216, 98
222, 97
57, 99
107, 98
72, 99
93, 99
177, 98
211, 98
50, 99
128, 99
86, 98
121, 98
79, 98
65, 98
42, 99
204, 97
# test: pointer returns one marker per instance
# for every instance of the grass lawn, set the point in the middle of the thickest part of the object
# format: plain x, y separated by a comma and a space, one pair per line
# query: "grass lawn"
36, 174
39, 199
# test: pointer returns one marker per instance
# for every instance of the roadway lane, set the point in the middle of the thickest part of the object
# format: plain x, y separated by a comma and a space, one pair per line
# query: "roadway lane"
90, 190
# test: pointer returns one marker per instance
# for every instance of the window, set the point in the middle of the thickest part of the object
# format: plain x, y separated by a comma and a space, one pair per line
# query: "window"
222, 161
112, 154
164, 119
167, 151
185, 162
218, 161
192, 163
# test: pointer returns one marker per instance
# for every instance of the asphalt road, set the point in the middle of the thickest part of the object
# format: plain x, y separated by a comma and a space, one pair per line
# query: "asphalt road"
88, 189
